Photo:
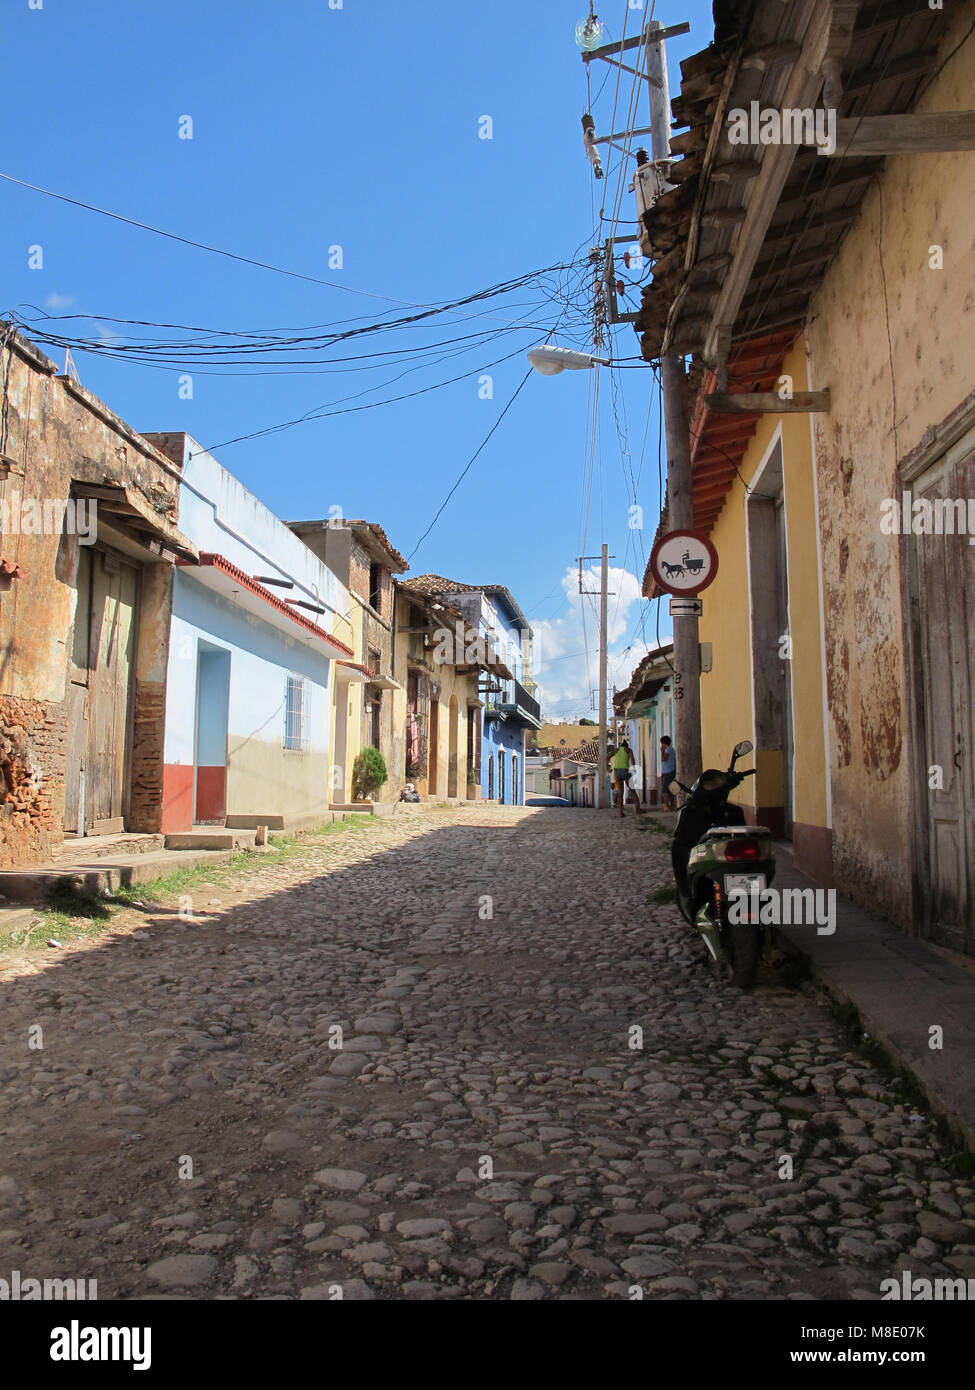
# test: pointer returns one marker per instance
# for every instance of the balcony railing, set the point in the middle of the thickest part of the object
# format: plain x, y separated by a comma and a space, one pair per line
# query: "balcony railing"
514, 702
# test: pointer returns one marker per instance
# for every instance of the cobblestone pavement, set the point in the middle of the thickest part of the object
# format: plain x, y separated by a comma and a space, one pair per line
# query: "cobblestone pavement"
472, 1042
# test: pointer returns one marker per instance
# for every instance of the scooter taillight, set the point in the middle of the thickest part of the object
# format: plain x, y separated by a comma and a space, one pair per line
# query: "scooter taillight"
742, 849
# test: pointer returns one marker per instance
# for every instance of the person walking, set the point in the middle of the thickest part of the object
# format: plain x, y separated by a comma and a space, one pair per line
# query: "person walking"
668, 772
620, 762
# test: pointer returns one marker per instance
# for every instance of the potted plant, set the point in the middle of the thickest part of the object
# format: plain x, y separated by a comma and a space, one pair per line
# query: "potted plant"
368, 774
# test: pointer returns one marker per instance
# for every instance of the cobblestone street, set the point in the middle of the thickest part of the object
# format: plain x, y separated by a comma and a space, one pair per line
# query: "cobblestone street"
467, 1038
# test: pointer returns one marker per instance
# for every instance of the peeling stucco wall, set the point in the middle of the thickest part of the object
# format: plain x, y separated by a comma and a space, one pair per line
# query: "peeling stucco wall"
55, 432
887, 335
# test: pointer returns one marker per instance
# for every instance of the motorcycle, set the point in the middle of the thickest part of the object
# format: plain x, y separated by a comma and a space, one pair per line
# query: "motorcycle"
721, 866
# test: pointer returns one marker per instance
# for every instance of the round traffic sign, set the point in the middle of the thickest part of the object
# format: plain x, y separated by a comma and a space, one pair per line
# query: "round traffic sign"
683, 562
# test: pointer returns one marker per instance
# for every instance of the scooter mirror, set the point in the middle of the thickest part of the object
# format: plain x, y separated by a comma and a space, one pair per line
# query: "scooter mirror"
674, 788
742, 748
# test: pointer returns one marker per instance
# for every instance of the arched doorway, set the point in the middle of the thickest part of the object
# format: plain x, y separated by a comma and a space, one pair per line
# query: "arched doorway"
490, 777
433, 769
453, 719
515, 792
501, 775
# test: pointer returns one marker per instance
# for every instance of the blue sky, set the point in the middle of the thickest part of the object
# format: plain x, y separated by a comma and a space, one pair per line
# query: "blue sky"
355, 127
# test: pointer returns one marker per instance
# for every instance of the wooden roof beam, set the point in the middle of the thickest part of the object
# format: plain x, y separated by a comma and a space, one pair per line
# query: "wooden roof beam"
768, 403
928, 132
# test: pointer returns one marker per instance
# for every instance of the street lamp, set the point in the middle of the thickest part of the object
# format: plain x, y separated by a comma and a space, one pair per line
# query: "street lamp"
550, 360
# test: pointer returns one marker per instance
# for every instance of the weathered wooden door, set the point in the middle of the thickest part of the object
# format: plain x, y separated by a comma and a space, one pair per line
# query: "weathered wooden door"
945, 574
77, 700
114, 589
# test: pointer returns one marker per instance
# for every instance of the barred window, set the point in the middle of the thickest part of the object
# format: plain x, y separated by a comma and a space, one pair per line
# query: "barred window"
296, 714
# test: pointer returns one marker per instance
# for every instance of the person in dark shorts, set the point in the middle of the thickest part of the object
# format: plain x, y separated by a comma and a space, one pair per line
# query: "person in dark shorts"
620, 763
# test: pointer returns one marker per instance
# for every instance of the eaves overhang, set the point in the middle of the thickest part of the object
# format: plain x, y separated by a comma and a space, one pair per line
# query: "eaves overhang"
128, 510
743, 240
222, 577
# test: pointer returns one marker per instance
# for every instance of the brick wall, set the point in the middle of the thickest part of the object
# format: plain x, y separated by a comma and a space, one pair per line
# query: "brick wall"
359, 570
148, 734
32, 748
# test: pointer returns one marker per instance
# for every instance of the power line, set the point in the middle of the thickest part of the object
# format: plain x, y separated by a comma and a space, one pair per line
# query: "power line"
471, 463
201, 245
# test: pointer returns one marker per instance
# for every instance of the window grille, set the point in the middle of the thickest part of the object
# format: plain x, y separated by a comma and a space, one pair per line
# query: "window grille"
296, 715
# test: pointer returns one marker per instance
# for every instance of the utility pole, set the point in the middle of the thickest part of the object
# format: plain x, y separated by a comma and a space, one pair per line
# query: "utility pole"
604, 558
680, 511
603, 673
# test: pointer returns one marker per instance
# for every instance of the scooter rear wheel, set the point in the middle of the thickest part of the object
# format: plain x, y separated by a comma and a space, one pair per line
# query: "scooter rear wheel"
743, 947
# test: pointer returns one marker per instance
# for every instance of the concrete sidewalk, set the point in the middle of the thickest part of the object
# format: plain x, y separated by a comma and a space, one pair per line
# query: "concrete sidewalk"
901, 987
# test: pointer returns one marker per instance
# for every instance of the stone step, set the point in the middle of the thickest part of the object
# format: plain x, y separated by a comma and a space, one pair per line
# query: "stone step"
102, 846
216, 838
103, 875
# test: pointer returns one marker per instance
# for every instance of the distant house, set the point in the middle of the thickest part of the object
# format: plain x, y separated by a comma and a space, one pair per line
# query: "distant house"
361, 557
440, 667
500, 633
573, 775
645, 709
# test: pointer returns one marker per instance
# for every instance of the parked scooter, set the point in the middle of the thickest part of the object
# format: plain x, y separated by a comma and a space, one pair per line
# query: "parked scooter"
715, 856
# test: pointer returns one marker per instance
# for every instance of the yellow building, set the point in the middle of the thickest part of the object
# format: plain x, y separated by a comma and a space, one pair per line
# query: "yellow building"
836, 294
439, 706
562, 735
364, 707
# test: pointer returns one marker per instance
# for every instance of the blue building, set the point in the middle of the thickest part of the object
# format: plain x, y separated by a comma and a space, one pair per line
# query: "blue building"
510, 708
496, 741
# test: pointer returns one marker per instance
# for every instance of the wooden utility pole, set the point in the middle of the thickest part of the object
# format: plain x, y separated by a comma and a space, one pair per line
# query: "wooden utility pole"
680, 511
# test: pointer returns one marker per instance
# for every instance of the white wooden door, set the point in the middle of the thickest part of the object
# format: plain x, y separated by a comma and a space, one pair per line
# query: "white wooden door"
945, 569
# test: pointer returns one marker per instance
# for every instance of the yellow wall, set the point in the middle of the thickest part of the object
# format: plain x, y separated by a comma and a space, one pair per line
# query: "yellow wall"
464, 687
726, 691
551, 735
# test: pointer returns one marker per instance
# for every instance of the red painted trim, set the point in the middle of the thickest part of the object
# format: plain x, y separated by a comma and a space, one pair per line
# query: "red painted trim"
246, 582
177, 810
211, 793
356, 667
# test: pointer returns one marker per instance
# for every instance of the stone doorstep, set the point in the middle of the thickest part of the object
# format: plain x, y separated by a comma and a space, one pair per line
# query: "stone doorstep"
99, 846
900, 988
32, 884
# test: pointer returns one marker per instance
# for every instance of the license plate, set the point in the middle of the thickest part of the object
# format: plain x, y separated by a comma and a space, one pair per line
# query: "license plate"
746, 884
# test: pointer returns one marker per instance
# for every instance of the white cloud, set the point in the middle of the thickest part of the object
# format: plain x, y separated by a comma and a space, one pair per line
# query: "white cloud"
560, 665
57, 301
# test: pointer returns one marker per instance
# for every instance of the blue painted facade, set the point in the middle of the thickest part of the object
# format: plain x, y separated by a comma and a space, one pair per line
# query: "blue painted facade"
507, 717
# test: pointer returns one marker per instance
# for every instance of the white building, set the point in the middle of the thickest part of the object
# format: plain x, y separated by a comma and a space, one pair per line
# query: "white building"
251, 660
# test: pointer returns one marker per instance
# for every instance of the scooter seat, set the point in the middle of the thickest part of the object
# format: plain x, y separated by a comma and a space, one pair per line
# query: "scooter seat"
727, 832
